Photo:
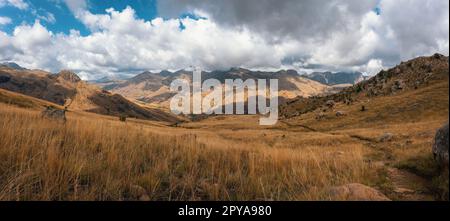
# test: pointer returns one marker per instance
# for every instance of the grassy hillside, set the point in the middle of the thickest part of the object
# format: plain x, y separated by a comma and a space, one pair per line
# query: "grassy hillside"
387, 147
67, 89
45, 160
220, 158
24, 101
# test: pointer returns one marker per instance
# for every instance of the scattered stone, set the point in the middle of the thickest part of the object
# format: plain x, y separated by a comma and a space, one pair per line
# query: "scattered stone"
330, 104
320, 116
139, 193
356, 192
398, 85
440, 146
340, 114
386, 137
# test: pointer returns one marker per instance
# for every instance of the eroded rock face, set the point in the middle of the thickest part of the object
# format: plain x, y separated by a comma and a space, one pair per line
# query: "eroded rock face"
356, 192
440, 146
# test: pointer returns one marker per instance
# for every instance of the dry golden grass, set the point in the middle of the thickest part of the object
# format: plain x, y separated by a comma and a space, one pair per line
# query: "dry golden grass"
98, 158
95, 157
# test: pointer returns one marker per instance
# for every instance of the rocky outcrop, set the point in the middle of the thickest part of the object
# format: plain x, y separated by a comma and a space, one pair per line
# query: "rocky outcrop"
68, 76
440, 146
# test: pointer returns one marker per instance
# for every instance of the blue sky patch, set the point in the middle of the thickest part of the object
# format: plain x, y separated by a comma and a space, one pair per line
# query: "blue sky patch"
57, 17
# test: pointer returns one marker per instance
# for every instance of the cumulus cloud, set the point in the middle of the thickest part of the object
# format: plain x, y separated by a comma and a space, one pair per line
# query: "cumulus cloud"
5, 20
276, 19
121, 43
418, 27
264, 34
20, 4
76, 6
335, 33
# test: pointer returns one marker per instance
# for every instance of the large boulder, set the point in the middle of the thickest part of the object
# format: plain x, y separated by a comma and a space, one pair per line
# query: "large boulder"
356, 192
440, 146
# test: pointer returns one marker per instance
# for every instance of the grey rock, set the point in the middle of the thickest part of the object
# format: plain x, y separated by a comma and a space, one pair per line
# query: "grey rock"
440, 146
340, 114
386, 137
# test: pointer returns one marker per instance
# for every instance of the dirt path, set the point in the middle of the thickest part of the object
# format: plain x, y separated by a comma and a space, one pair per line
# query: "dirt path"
408, 186
299, 125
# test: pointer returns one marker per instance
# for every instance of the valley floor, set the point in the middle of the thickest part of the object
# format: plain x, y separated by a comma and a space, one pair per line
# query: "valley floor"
94, 157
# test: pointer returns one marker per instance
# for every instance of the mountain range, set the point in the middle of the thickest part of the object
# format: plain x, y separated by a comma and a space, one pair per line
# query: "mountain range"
153, 88
147, 95
336, 78
11, 65
67, 89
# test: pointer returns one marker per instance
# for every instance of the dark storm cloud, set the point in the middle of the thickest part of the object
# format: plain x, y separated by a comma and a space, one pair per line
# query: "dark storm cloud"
277, 19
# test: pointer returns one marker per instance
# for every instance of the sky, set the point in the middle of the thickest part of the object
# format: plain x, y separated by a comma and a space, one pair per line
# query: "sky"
98, 38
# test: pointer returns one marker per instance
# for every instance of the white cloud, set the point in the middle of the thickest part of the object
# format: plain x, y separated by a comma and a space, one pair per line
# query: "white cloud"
121, 43
5, 20
27, 38
76, 6
45, 16
337, 34
372, 67
20, 4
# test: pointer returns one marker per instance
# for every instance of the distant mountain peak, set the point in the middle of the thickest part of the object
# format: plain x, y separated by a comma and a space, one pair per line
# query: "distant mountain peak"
238, 69
12, 65
165, 73
289, 72
336, 78
69, 76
